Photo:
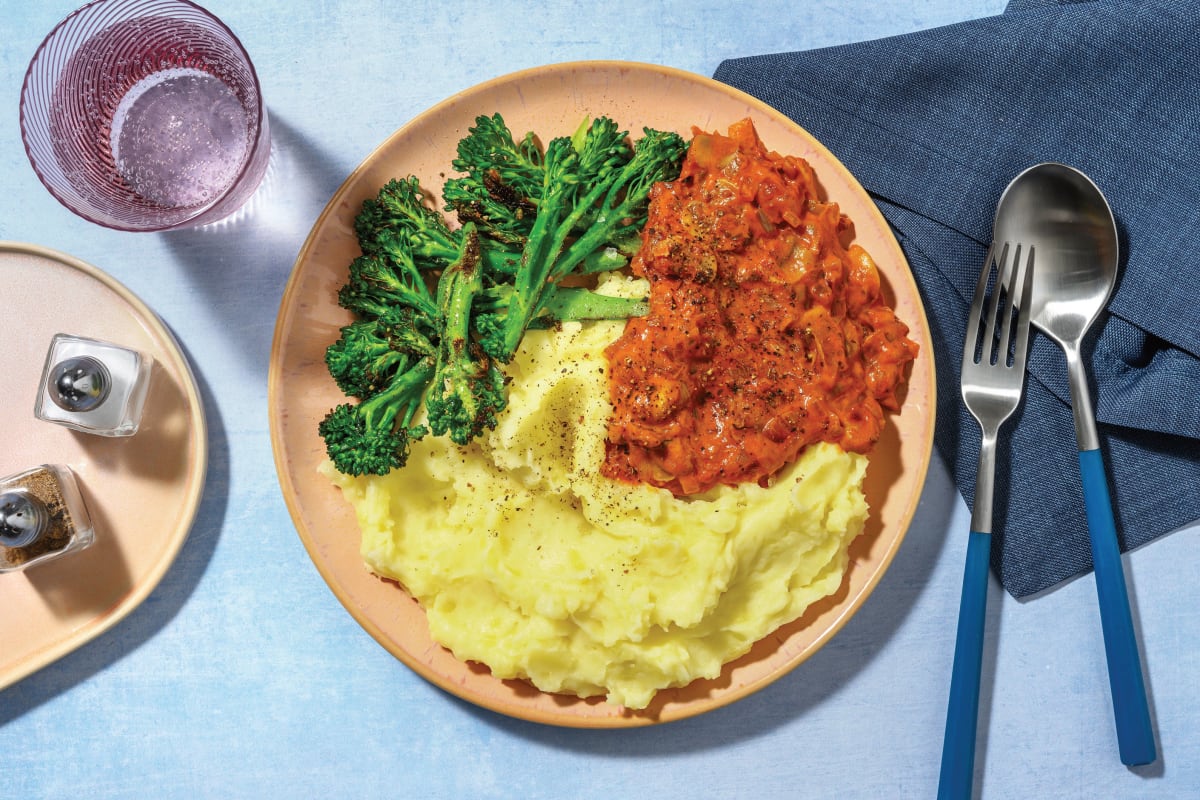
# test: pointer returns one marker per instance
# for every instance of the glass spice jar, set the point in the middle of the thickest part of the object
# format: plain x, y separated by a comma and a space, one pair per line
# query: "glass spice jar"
42, 517
93, 386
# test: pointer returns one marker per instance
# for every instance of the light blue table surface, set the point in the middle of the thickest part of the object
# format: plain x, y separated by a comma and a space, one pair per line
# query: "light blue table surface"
243, 677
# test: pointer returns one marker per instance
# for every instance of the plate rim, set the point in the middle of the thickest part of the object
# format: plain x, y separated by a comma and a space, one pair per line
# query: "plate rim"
291, 499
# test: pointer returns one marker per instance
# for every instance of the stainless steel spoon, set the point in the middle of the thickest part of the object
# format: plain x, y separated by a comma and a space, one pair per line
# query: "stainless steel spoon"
1059, 211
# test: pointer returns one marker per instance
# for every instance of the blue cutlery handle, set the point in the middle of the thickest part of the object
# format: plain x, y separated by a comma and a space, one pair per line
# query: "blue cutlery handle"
962, 717
1135, 735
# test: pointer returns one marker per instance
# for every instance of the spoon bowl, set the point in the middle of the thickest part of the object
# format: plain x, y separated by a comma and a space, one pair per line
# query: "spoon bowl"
1061, 213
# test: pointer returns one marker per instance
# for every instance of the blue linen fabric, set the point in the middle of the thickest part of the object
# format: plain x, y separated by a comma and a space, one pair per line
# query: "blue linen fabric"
935, 124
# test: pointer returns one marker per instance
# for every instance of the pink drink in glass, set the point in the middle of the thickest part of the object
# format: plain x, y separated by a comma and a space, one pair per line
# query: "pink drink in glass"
179, 136
145, 115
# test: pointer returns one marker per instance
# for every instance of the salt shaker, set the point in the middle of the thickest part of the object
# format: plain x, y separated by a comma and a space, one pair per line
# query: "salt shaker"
42, 517
93, 386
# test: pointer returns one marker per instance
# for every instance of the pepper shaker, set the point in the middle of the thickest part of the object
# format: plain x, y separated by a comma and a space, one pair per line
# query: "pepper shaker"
93, 386
42, 517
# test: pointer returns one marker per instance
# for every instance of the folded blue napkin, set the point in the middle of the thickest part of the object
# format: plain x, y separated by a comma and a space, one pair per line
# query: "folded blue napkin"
935, 124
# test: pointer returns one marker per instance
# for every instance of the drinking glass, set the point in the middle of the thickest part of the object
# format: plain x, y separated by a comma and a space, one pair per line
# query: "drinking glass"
145, 115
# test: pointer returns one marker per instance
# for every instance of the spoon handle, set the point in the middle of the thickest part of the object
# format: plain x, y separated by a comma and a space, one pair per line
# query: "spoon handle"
1135, 735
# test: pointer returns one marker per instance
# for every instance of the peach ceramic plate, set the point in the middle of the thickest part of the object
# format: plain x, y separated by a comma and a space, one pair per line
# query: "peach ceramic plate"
142, 491
551, 101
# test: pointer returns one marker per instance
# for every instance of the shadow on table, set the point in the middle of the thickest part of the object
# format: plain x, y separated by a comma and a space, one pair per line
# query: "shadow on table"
163, 603
818, 680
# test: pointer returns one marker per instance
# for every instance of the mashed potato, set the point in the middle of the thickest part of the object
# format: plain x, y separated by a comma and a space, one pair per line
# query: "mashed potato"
527, 560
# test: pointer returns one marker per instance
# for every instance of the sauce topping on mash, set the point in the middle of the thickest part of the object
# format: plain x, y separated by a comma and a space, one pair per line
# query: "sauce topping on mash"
766, 333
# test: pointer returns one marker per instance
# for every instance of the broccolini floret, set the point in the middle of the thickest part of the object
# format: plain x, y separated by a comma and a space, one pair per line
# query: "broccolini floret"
615, 202
602, 147
501, 182
504, 180
373, 436
467, 390
399, 216
387, 363
400, 224
378, 284
369, 352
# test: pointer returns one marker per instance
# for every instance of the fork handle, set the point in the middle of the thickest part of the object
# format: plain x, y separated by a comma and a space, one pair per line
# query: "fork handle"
962, 717
1135, 735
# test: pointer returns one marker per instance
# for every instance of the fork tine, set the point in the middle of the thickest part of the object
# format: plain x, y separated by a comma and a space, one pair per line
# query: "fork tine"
976, 334
1010, 282
1024, 300
990, 354
989, 325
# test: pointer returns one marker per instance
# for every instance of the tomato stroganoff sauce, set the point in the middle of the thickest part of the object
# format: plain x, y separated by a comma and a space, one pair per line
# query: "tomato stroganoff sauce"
766, 331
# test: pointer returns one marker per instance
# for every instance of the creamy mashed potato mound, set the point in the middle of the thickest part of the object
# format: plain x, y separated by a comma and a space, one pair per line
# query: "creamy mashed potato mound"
526, 559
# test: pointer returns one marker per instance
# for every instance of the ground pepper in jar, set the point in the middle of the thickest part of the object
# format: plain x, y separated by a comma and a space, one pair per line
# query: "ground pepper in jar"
65, 525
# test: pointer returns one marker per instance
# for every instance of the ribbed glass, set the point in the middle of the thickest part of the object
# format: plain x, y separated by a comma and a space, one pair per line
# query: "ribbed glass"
78, 78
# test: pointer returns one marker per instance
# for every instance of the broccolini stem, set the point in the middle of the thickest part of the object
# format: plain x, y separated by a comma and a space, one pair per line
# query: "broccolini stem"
562, 303
401, 399
460, 283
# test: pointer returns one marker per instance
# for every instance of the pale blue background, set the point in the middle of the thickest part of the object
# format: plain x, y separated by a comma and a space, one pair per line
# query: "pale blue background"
243, 677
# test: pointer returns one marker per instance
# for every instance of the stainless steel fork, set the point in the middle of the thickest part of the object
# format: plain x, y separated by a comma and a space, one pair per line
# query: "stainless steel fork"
993, 378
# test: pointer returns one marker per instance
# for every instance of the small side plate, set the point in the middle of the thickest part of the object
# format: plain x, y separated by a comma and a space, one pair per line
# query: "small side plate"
142, 491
